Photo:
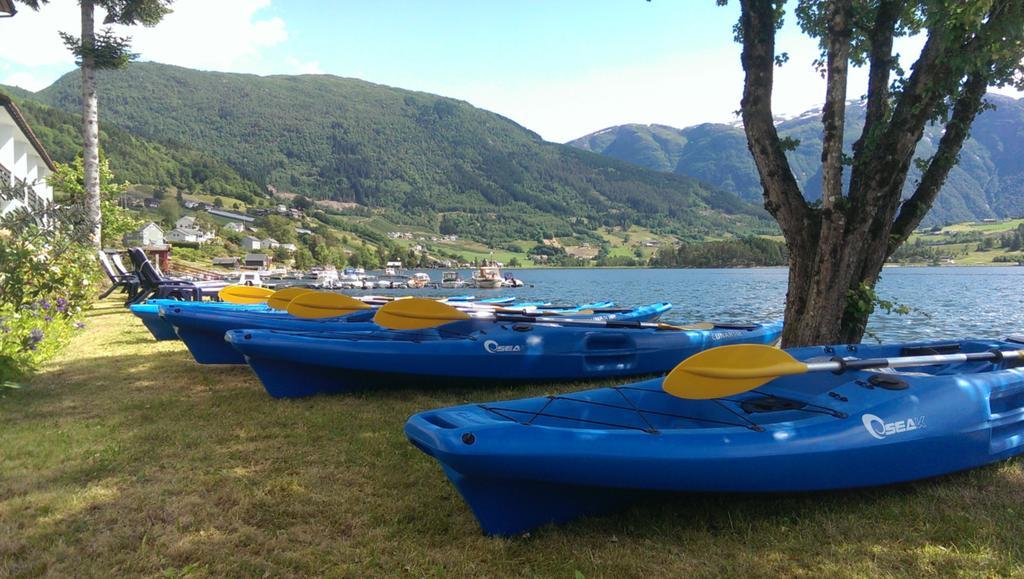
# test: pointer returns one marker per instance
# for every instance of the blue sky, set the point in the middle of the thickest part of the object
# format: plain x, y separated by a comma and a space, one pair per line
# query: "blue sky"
561, 68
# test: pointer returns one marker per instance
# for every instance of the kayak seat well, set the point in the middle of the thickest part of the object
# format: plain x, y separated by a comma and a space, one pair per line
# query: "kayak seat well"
1006, 408
604, 350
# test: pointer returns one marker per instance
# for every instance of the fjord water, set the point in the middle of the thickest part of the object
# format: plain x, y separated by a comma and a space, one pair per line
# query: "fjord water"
946, 302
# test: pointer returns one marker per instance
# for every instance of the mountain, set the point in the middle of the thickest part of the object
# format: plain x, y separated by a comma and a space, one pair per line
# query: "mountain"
133, 159
987, 183
410, 157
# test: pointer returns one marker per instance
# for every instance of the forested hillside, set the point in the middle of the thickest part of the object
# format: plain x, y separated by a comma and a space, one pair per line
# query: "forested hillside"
987, 183
409, 157
134, 159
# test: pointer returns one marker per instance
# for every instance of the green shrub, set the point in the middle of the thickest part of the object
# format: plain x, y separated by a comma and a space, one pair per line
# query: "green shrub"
32, 334
47, 278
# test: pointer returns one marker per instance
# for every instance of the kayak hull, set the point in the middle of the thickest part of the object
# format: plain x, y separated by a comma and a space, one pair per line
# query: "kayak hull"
472, 352
508, 459
202, 329
149, 314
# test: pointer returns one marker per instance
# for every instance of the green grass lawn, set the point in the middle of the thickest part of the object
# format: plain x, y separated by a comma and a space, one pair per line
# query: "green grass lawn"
123, 457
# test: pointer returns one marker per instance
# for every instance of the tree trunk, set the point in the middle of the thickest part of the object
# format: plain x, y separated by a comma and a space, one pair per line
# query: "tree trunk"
834, 312
90, 126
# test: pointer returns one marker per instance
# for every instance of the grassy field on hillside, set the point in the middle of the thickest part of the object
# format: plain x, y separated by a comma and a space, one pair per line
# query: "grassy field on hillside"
124, 457
951, 240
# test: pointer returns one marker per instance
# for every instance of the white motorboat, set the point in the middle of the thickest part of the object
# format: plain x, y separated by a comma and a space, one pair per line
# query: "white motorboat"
418, 280
451, 280
488, 277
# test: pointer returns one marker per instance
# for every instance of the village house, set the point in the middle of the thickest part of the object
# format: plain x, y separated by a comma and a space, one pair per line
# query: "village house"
231, 262
290, 247
186, 222
149, 235
250, 243
24, 163
269, 243
181, 235
257, 260
235, 226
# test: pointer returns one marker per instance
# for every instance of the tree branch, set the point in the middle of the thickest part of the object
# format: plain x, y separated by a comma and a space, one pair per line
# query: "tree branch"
880, 61
834, 113
948, 56
957, 129
782, 195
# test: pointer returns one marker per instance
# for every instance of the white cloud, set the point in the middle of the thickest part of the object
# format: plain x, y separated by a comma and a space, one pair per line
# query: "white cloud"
35, 34
26, 80
675, 90
226, 35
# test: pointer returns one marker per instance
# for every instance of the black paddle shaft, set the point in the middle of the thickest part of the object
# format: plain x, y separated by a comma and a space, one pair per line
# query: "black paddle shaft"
908, 361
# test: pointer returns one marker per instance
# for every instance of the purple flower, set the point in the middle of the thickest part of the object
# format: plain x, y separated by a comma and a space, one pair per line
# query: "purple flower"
79, 325
5, 329
48, 318
62, 305
44, 304
32, 339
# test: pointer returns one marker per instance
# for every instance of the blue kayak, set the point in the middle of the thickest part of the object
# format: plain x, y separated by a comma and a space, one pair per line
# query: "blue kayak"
150, 316
305, 363
524, 463
203, 329
149, 313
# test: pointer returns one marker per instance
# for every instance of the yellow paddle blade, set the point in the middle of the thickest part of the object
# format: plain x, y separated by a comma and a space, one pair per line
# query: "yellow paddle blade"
283, 297
416, 314
324, 305
244, 294
729, 370
691, 327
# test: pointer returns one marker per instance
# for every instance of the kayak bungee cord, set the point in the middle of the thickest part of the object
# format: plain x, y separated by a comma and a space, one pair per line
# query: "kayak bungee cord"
724, 403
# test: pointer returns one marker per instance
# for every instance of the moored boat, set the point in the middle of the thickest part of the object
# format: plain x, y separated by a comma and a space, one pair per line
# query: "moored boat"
488, 277
418, 280
451, 280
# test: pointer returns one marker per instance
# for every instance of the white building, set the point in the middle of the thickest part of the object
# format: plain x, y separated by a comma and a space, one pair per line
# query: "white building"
149, 235
251, 244
235, 226
269, 243
186, 222
182, 235
24, 163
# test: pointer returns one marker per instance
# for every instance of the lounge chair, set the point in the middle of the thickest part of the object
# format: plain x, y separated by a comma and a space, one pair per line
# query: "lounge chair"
124, 280
115, 259
156, 286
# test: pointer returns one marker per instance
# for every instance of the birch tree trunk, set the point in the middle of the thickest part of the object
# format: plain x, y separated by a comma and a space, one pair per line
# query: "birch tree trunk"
90, 125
